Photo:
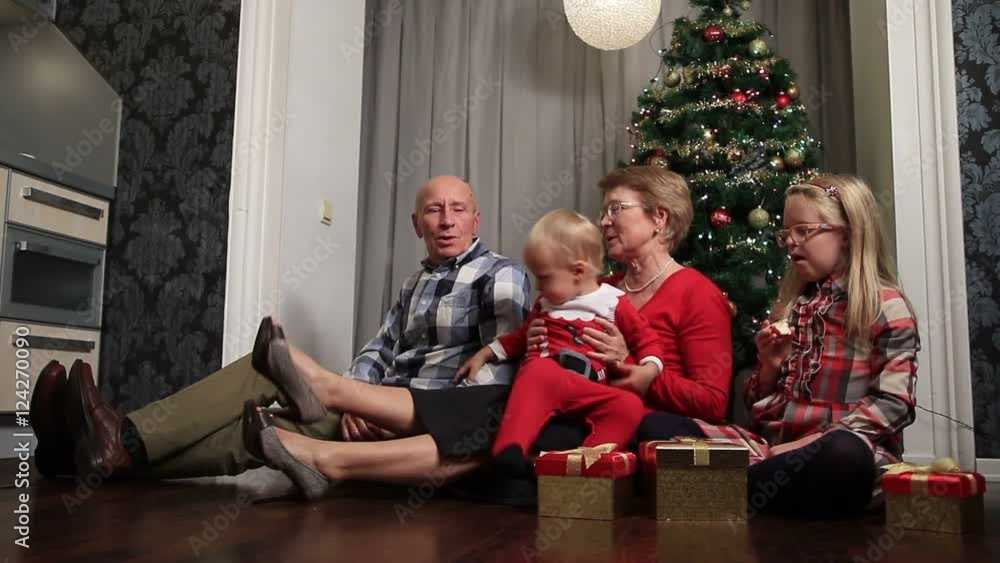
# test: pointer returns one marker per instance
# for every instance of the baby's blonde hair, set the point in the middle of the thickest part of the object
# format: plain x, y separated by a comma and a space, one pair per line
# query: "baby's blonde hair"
847, 201
569, 234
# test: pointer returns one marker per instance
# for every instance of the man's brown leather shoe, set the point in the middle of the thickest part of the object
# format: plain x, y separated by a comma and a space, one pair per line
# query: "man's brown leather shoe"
96, 425
54, 452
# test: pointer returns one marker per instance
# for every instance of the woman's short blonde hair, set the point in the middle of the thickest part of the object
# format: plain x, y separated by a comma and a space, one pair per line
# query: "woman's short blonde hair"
659, 188
569, 234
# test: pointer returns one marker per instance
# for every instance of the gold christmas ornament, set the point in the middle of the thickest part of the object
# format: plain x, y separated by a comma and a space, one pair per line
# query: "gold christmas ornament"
793, 91
777, 163
759, 218
672, 79
759, 48
794, 158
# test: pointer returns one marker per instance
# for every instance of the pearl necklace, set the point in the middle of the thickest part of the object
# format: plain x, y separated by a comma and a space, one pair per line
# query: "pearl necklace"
651, 280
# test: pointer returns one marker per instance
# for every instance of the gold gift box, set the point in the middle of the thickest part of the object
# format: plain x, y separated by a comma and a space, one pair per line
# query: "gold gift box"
917, 511
701, 480
584, 497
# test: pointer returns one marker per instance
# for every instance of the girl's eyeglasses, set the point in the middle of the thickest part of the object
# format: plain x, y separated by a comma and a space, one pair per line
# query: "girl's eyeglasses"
615, 207
802, 232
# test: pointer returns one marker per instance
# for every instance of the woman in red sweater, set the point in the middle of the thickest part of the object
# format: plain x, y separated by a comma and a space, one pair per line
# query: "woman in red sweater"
645, 215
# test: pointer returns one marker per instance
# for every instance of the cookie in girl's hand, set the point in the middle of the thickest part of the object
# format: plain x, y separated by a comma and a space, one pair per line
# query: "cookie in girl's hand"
780, 328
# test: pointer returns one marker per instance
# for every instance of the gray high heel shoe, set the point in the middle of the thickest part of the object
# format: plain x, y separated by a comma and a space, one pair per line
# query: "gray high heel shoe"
283, 372
311, 483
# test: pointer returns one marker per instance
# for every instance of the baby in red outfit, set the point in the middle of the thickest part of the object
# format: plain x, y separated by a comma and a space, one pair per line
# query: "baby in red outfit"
565, 252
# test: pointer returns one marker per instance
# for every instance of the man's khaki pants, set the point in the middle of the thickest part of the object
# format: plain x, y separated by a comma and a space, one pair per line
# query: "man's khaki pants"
198, 431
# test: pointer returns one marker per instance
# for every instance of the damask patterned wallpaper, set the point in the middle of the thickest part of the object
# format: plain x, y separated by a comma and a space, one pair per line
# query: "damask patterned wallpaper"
977, 55
174, 64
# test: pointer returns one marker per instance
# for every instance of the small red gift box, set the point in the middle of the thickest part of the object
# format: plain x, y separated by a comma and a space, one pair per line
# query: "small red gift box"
938, 498
575, 464
589, 483
949, 484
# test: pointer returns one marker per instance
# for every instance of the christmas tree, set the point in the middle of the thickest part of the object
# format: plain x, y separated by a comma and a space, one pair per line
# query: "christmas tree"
724, 112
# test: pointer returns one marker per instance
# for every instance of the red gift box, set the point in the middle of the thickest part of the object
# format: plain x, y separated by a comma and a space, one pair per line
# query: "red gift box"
586, 462
951, 484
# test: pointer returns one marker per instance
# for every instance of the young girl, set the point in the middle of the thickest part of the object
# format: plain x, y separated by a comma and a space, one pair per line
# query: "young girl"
565, 252
834, 389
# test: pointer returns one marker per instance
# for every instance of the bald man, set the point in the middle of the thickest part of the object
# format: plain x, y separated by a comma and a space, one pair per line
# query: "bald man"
460, 300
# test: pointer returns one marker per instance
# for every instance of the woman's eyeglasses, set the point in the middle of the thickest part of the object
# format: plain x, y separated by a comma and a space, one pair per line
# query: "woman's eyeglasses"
802, 232
615, 207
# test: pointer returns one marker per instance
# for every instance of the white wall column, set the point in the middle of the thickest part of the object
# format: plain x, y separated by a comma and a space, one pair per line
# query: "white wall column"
297, 144
929, 232
255, 198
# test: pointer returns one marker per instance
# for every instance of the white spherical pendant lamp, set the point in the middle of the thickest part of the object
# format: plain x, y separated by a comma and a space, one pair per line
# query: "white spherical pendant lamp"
612, 24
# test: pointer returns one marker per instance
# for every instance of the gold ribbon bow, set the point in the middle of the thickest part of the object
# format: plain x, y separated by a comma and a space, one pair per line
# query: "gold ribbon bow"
702, 455
922, 473
580, 459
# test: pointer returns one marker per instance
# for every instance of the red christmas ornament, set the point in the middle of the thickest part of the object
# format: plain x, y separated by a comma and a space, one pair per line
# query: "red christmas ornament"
721, 218
714, 34
738, 97
783, 101
654, 156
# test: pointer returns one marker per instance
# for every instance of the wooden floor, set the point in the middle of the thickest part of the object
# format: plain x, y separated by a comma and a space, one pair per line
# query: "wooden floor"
209, 520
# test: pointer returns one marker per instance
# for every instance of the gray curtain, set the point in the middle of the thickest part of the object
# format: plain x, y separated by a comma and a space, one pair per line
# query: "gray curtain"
502, 92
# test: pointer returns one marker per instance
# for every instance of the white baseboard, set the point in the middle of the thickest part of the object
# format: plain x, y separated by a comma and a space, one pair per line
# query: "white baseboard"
990, 468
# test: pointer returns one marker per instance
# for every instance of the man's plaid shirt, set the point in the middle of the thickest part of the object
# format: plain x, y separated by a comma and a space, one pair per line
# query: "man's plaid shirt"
443, 316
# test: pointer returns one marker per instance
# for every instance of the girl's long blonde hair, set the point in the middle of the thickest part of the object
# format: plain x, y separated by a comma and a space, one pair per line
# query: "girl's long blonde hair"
867, 265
